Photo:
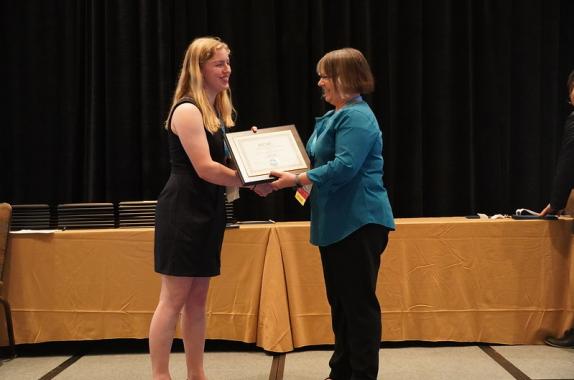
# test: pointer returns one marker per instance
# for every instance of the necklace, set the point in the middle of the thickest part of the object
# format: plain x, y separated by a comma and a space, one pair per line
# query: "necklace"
353, 100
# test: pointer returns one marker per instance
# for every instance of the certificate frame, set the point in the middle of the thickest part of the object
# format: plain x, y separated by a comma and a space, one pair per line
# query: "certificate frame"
273, 148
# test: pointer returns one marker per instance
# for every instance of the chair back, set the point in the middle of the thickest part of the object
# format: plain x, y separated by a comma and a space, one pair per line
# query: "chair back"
5, 216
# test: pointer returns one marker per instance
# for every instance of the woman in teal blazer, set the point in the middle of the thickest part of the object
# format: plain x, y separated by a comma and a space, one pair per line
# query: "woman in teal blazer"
350, 211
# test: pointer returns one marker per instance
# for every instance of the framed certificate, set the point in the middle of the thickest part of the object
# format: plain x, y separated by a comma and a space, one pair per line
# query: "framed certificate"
257, 154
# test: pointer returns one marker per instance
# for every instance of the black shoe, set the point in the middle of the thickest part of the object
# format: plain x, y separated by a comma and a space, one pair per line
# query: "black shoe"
566, 341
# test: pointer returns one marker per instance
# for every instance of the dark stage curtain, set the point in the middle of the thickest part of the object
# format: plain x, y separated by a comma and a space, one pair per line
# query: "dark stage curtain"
470, 95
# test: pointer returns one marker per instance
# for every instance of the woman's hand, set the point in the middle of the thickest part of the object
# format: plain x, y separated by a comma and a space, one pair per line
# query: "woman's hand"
262, 189
548, 210
284, 179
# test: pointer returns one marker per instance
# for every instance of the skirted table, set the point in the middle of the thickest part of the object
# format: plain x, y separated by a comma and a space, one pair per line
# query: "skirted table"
441, 279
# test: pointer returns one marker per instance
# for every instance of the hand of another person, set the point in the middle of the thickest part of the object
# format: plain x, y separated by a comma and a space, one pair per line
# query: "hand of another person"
262, 189
548, 210
284, 179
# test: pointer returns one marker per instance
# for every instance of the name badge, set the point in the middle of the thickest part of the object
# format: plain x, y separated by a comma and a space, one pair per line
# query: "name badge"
303, 193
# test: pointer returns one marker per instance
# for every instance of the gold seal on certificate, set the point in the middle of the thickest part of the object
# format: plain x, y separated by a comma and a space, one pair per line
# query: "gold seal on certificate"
270, 149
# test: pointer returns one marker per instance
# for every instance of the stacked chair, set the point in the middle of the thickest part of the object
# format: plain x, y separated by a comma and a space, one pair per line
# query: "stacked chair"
86, 215
69, 216
229, 214
31, 217
136, 214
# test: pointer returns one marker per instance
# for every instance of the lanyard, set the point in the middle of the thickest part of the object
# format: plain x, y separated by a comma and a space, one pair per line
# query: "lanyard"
225, 148
354, 100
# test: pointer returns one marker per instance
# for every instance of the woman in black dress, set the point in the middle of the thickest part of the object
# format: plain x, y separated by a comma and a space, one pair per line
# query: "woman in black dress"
190, 214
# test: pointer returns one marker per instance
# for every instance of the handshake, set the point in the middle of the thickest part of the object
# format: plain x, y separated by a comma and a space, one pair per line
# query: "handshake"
283, 180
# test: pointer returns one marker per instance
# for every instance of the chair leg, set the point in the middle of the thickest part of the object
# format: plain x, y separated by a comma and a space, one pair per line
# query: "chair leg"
9, 326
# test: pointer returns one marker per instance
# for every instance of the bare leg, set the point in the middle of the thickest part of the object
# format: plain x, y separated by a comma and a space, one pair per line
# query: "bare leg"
174, 292
193, 328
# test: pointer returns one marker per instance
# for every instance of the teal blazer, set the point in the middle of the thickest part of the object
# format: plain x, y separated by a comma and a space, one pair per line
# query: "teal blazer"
348, 191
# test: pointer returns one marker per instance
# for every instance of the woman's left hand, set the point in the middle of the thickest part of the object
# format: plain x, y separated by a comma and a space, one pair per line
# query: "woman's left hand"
262, 189
284, 179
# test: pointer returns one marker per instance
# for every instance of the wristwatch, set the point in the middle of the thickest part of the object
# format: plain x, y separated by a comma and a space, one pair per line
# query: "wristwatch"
297, 181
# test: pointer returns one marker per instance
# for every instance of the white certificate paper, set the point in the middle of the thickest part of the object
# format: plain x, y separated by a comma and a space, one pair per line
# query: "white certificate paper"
262, 152
270, 149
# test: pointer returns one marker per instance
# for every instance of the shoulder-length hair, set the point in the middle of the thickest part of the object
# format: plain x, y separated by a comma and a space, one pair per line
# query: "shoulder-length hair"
349, 71
190, 84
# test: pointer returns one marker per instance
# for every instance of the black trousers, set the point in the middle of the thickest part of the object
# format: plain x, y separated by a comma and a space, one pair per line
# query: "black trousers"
350, 267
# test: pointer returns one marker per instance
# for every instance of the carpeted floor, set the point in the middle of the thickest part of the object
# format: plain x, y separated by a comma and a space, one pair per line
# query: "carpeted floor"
126, 360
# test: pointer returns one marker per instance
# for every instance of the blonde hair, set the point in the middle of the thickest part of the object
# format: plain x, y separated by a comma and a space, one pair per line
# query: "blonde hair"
349, 71
190, 84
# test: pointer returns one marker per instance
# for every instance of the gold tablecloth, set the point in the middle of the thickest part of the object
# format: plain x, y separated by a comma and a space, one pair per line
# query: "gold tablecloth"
441, 279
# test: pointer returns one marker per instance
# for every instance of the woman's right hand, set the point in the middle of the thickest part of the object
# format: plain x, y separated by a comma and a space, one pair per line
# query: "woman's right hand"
546, 210
284, 179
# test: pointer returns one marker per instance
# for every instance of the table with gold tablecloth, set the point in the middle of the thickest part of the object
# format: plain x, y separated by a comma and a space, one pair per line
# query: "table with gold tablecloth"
449, 279
441, 279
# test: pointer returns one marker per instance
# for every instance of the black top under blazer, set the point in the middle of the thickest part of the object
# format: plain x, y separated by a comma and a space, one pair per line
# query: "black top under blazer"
564, 177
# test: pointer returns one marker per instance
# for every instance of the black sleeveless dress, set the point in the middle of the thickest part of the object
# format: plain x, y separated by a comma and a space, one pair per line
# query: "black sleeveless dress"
190, 214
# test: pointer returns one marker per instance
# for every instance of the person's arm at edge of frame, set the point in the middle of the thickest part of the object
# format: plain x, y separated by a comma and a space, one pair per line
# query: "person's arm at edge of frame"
562, 185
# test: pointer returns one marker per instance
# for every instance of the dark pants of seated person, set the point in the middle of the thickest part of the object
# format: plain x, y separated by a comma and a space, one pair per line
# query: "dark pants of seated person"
350, 267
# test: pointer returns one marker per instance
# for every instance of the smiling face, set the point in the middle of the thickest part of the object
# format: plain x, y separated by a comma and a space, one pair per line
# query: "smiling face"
330, 92
216, 72
344, 74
